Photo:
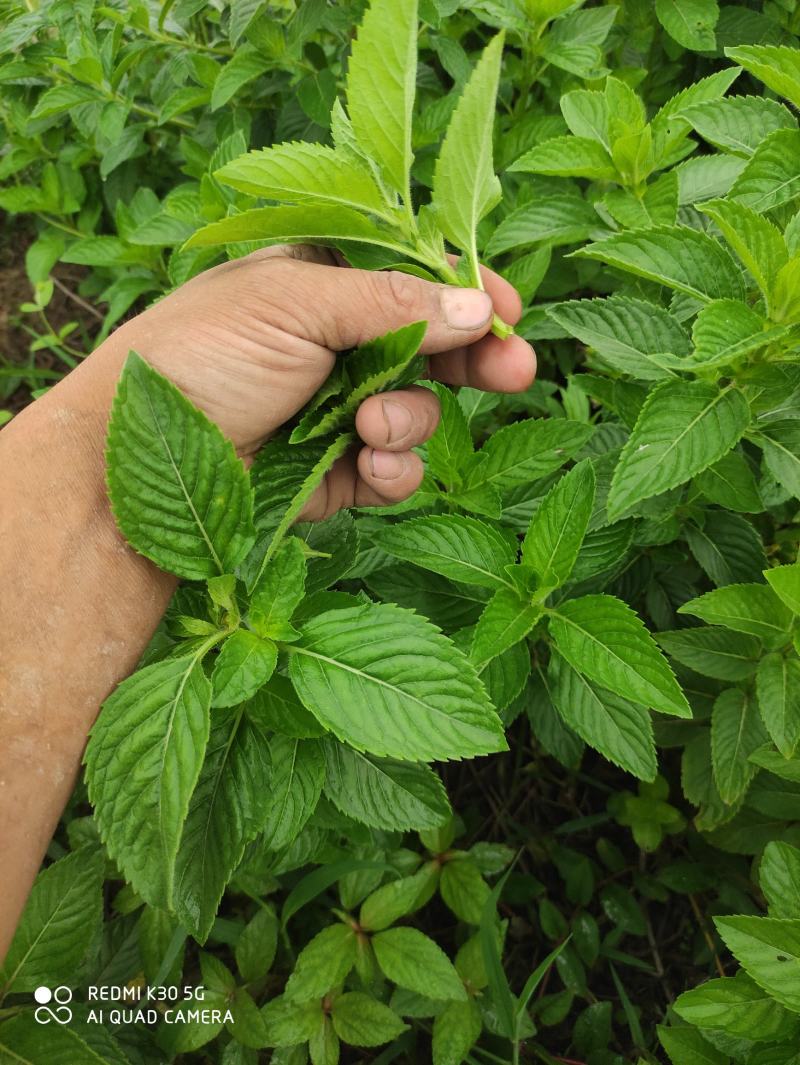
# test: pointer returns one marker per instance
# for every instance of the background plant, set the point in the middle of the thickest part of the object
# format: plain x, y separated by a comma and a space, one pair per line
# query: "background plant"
647, 213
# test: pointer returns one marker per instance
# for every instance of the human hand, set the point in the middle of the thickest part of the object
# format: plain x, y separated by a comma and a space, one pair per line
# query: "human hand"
251, 341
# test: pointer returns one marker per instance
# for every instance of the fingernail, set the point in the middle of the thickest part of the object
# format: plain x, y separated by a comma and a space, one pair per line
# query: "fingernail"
466, 308
386, 465
398, 420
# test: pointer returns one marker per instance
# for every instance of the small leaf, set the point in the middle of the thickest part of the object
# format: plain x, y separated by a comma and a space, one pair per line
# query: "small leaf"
463, 889
768, 949
713, 652
690, 22
279, 591
568, 157
524, 451
739, 123
772, 175
463, 549
736, 731
507, 619
758, 243
298, 773
779, 878
322, 964
412, 960
245, 664
558, 526
778, 66
361, 1021
778, 688
752, 608
455, 1031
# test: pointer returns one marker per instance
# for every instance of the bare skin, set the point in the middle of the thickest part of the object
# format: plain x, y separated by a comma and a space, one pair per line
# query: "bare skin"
249, 342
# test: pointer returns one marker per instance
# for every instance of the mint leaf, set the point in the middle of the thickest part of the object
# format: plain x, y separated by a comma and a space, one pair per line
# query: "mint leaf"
381, 83
179, 493
383, 792
758, 243
683, 428
398, 898
226, 811
507, 619
739, 123
778, 688
730, 483
736, 732
298, 773
568, 157
619, 729
323, 964
361, 1021
676, 256
727, 547
525, 451
560, 219
785, 582
463, 549
279, 591
450, 448
385, 681
412, 960
245, 663
752, 608
156, 722
780, 442
724, 331
776, 65
455, 1031
276, 707
558, 526
604, 639
62, 915
463, 889
713, 652
465, 188
766, 947
690, 22
772, 175
779, 878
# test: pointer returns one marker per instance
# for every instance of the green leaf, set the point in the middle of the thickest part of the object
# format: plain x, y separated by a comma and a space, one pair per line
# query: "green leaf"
730, 484
383, 792
768, 949
465, 188
772, 175
785, 582
624, 331
604, 639
450, 448
455, 1031
245, 66
778, 66
386, 681
683, 427
143, 761
289, 1023
300, 224
736, 731
226, 811
739, 123
752, 608
780, 442
322, 964
779, 878
560, 219
179, 493
677, 256
276, 707
727, 547
568, 157
62, 915
558, 526
524, 451
463, 889
506, 619
245, 664
398, 898
302, 172
690, 22
381, 81
778, 688
298, 773
620, 730
737, 1006
279, 591
361, 1021
461, 548
724, 331
758, 243
256, 946
713, 652
412, 960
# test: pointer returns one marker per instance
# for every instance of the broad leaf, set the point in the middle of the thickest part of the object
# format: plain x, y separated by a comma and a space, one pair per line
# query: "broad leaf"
298, 773
604, 639
507, 619
385, 681
362, 1021
279, 591
568, 157
143, 761
752, 608
524, 451
739, 124
737, 1006
455, 1031
557, 220
463, 549
412, 960
179, 493
727, 547
785, 582
713, 652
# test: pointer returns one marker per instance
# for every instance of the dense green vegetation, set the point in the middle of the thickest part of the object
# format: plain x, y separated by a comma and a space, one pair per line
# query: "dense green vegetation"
594, 593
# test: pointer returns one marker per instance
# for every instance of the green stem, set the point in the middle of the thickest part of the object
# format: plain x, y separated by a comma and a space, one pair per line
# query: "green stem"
500, 327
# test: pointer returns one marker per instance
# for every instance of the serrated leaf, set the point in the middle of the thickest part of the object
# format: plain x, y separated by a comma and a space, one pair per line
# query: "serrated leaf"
465, 187
780, 442
690, 22
779, 878
455, 1031
768, 949
677, 256
557, 220
506, 619
226, 811
412, 960
713, 652
322, 964
736, 731
245, 66
361, 1021
289, 1023
730, 483
179, 493
383, 792
683, 428
450, 448
244, 664
772, 175
558, 526
725, 330
778, 689
619, 729
302, 172
568, 157
143, 761
524, 451
398, 898
686, 1046
752, 608
62, 914
785, 582
624, 331
384, 680
739, 123
727, 547
276, 707
604, 639
298, 773
737, 1006
758, 243
256, 946
279, 591
463, 549
381, 82
463, 889
778, 66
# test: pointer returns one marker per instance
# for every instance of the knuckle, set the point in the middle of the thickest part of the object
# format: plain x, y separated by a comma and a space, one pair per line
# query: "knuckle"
403, 289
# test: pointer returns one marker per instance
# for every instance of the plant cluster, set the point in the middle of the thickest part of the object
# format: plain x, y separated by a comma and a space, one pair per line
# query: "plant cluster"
597, 578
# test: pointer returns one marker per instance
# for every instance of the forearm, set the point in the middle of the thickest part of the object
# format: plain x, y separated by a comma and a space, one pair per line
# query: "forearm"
77, 607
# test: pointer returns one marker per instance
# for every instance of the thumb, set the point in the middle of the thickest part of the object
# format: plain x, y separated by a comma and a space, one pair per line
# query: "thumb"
346, 307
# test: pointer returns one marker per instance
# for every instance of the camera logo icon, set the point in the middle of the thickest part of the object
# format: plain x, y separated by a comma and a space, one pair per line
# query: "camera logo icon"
60, 1013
